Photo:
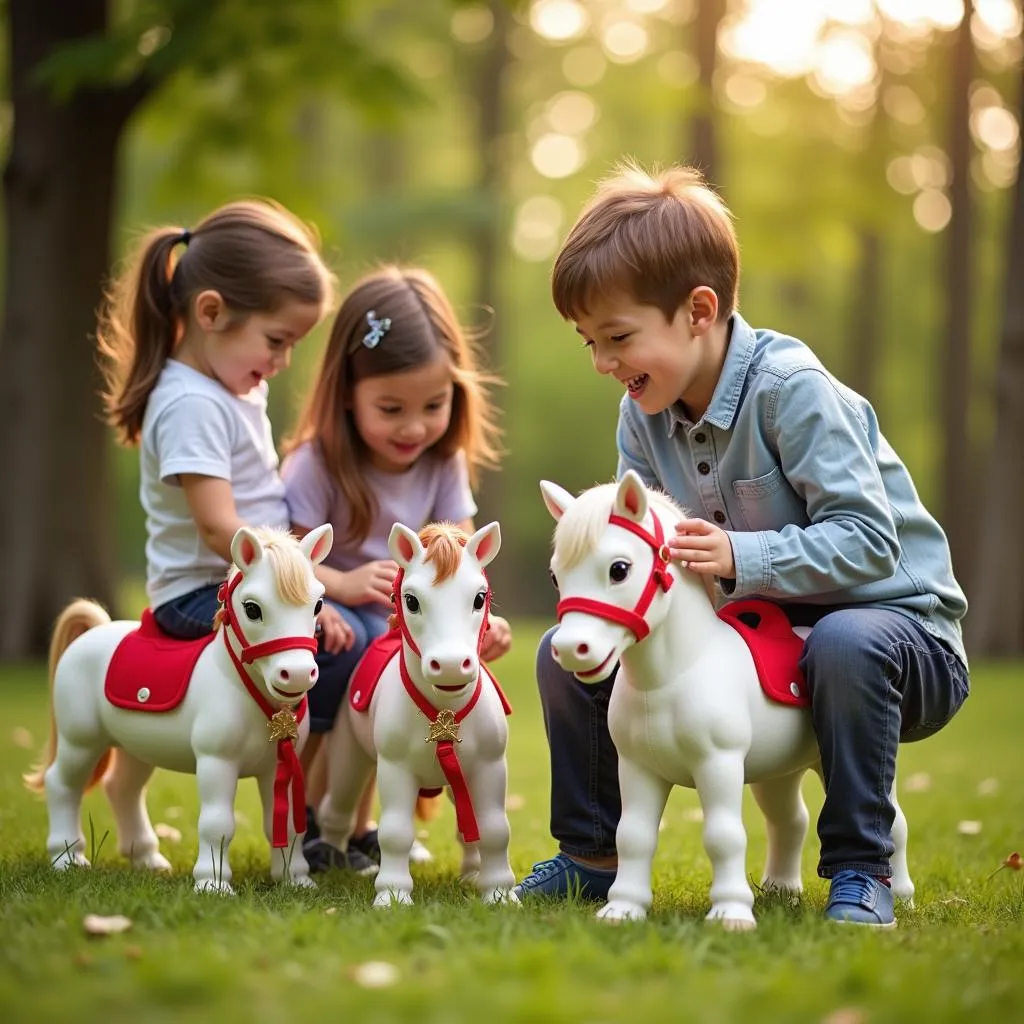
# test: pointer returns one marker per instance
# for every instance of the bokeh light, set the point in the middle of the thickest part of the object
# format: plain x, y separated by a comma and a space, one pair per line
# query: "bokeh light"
472, 23
571, 113
584, 65
559, 20
623, 39
535, 231
932, 210
557, 156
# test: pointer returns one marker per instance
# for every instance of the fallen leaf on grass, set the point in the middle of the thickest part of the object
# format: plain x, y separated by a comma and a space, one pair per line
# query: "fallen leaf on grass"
375, 974
987, 787
133, 952
1014, 862
918, 782
693, 814
97, 924
21, 737
515, 802
173, 813
845, 1015
969, 828
331, 910
168, 832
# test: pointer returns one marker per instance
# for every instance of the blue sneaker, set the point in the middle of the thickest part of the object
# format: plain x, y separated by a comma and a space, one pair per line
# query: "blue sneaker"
856, 898
562, 876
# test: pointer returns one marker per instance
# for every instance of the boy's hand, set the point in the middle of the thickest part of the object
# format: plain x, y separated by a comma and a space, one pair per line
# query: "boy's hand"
334, 632
497, 639
704, 548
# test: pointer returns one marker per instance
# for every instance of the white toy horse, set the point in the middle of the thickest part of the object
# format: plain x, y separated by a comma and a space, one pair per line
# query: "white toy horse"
228, 706
687, 707
424, 709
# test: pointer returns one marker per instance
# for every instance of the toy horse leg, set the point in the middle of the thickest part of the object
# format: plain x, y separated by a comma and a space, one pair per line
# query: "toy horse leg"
495, 878
65, 782
217, 779
125, 785
786, 817
349, 768
902, 885
398, 791
644, 796
719, 782
287, 864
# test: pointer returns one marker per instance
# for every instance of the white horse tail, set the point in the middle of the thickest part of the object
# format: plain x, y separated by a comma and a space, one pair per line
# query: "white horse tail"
79, 617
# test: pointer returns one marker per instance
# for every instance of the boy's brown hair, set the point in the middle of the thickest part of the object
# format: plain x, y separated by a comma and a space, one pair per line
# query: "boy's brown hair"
655, 236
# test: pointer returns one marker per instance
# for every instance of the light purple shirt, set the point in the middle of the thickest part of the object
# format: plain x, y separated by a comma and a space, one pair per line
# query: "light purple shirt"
432, 489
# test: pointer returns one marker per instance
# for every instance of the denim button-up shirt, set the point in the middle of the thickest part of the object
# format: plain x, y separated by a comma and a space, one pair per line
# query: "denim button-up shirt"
818, 507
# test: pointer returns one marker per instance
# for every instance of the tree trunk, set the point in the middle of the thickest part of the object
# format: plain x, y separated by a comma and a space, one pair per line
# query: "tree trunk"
995, 625
703, 142
486, 237
55, 528
957, 511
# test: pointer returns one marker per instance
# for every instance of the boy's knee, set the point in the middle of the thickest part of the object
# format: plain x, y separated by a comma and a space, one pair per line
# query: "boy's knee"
550, 675
840, 655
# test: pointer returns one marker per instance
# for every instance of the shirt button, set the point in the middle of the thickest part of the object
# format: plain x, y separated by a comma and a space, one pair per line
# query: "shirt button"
700, 437
703, 468
718, 516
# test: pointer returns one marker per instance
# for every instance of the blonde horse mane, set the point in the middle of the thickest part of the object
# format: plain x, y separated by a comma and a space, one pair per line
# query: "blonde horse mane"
290, 566
585, 520
443, 543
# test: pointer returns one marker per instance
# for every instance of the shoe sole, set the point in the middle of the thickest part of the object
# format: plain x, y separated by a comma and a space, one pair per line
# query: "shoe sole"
863, 924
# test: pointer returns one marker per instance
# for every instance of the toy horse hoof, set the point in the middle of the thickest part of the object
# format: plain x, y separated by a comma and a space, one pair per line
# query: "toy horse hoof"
392, 898
734, 917
298, 881
212, 885
620, 910
70, 859
499, 895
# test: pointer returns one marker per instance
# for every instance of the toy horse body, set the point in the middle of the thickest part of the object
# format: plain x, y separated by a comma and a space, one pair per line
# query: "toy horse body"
435, 717
687, 707
242, 714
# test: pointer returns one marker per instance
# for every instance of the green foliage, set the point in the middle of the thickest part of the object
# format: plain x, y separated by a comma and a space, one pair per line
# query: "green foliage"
268, 954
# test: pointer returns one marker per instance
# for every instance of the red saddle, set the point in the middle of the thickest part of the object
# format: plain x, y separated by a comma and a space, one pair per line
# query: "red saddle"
150, 669
371, 667
775, 648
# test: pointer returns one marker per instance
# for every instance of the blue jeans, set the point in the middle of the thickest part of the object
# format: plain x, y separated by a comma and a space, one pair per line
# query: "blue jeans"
191, 616
875, 677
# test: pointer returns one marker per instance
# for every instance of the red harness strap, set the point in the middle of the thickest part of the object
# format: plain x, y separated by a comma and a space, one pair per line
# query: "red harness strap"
282, 722
660, 577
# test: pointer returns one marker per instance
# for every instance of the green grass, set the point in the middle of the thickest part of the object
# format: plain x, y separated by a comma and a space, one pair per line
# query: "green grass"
269, 955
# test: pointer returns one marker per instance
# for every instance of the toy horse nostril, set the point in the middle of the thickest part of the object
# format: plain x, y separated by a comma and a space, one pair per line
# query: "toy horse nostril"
435, 665
314, 673
554, 650
284, 675
466, 664
583, 648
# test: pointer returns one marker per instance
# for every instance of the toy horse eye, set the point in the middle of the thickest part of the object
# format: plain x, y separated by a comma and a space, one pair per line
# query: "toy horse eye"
479, 600
412, 602
619, 571
318, 607
554, 579
252, 610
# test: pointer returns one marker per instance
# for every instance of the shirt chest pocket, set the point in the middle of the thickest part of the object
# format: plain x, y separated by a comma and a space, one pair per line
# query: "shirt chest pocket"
768, 502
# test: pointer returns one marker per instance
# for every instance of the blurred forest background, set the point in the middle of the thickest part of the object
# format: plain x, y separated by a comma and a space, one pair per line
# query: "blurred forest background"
868, 148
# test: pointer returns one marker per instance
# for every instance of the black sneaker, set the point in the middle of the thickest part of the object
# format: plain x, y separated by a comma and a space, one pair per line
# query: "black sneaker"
321, 856
312, 826
367, 844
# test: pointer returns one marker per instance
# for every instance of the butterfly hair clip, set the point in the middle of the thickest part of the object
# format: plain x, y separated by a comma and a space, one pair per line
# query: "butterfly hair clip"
378, 328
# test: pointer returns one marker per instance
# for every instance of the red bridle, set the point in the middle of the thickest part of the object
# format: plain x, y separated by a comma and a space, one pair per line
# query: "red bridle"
447, 758
660, 578
288, 776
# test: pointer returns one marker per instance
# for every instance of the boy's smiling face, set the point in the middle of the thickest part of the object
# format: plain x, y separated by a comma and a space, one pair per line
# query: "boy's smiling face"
659, 363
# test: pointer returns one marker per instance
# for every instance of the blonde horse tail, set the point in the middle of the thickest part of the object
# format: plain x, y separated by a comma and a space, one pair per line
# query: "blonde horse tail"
428, 807
79, 617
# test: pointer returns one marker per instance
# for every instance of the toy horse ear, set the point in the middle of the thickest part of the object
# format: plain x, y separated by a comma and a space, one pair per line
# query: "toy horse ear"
246, 549
557, 499
404, 545
485, 544
316, 545
631, 497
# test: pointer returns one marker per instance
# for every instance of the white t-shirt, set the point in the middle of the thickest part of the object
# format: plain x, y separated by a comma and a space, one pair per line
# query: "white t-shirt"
431, 489
195, 425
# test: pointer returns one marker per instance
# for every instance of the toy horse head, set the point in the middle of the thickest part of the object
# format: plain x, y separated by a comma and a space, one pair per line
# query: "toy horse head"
612, 569
442, 599
271, 600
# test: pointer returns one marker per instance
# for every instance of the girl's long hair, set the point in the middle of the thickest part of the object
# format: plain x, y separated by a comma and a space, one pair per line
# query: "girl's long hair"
255, 253
423, 324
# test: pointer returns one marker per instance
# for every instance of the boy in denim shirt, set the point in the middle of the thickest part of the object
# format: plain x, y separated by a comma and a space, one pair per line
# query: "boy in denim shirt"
799, 498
